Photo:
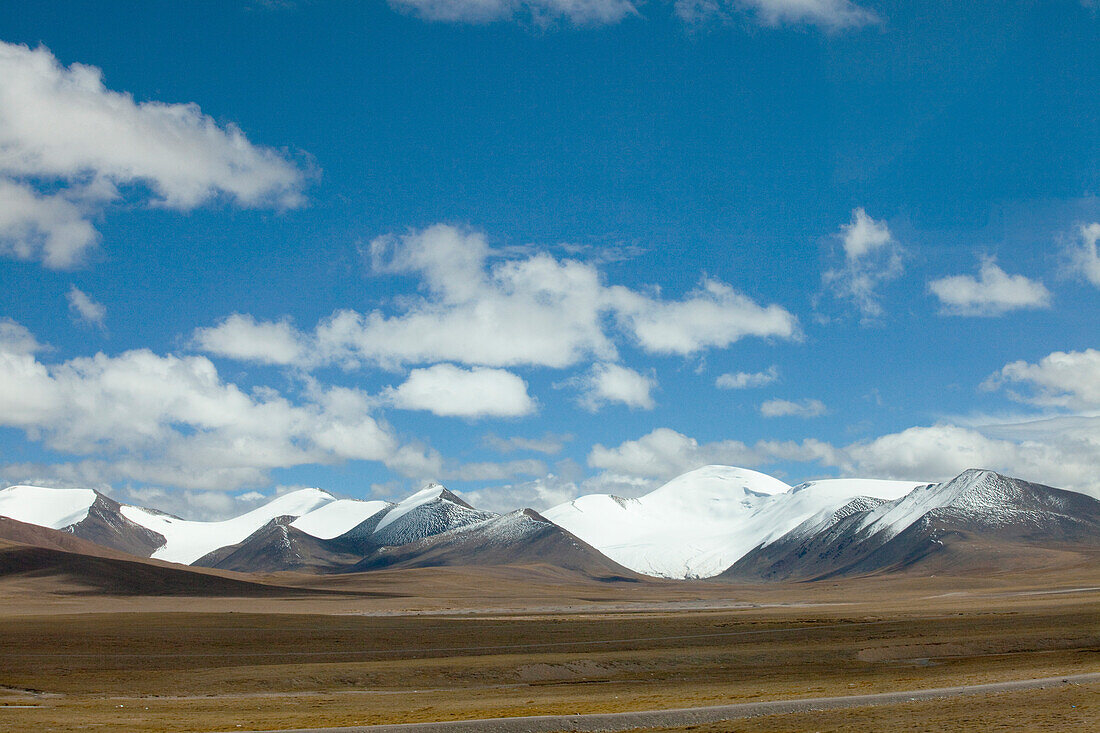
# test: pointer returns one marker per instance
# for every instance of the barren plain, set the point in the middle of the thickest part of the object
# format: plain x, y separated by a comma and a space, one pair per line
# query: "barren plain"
467, 643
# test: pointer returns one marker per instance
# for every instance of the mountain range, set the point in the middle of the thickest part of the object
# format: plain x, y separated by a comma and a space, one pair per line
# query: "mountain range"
716, 521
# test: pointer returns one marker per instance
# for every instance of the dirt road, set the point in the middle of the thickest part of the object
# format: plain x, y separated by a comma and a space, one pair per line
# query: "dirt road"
695, 716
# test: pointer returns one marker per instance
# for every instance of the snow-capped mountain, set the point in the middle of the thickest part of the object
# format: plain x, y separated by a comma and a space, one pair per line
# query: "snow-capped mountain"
80, 512
278, 546
522, 537
430, 511
716, 520
977, 509
337, 517
186, 541
53, 508
700, 523
150, 533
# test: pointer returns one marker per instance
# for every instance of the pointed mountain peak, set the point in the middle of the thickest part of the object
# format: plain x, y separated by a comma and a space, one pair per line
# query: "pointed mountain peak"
432, 492
973, 475
308, 493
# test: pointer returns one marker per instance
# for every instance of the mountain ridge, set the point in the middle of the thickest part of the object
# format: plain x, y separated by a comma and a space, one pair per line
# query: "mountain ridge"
717, 521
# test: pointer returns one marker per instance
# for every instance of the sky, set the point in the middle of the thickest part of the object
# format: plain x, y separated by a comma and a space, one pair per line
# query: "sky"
534, 249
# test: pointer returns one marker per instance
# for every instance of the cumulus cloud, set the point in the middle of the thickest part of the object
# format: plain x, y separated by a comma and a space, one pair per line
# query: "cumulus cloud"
1065, 457
207, 506
665, 453
479, 309
540, 493
84, 309
16, 339
1060, 452
615, 384
61, 127
51, 228
746, 380
1067, 379
244, 338
712, 316
490, 471
1085, 257
871, 257
577, 12
565, 482
993, 293
451, 391
173, 421
786, 408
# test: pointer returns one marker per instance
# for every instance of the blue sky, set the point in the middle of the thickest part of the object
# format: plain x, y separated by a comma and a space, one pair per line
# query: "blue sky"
536, 249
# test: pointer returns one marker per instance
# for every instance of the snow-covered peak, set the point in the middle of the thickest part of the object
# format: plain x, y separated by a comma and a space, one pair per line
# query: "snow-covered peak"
45, 507
717, 483
430, 493
187, 541
847, 488
293, 503
982, 492
700, 523
337, 517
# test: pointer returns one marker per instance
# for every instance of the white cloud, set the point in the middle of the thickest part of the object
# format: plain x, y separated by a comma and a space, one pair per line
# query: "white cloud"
1085, 257
61, 126
85, 309
871, 257
172, 420
541, 12
195, 505
451, 391
16, 339
1062, 452
490, 471
664, 453
712, 316
549, 444
563, 484
992, 293
537, 311
925, 453
541, 493
1068, 379
864, 235
244, 338
1065, 457
829, 14
50, 228
613, 383
746, 380
785, 408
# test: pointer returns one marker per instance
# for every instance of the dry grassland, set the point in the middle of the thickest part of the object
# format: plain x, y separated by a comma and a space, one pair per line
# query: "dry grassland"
452, 644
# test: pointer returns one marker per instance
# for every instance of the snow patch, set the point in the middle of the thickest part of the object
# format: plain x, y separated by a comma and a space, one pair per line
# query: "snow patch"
337, 517
187, 541
53, 508
428, 494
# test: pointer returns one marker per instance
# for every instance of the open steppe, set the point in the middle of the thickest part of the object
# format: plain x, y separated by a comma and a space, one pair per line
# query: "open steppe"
461, 643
